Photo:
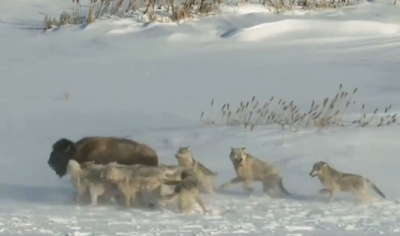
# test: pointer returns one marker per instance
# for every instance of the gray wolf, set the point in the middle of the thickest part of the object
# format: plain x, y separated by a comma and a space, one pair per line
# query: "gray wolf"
101, 150
205, 176
334, 181
88, 180
173, 171
186, 190
132, 180
249, 168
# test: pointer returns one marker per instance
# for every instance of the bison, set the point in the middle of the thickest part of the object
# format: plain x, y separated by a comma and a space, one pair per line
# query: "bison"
101, 150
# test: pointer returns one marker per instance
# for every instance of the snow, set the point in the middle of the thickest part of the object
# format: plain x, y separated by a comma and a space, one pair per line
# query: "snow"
151, 83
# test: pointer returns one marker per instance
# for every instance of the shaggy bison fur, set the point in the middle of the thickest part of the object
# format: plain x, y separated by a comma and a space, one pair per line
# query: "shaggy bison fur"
101, 150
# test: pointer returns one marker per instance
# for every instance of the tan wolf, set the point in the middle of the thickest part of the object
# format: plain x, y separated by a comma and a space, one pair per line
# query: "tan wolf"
335, 181
249, 168
186, 191
132, 180
89, 180
205, 176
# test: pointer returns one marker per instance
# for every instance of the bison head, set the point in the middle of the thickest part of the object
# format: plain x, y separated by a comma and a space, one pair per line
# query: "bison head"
63, 151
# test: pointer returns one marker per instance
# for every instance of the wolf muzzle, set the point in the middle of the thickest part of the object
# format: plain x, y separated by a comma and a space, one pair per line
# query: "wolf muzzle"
313, 173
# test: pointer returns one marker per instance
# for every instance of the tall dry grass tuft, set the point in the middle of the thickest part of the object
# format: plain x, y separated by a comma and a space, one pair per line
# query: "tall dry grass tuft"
330, 112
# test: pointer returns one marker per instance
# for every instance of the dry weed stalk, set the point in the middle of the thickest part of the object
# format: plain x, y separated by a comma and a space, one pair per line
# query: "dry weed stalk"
328, 113
150, 10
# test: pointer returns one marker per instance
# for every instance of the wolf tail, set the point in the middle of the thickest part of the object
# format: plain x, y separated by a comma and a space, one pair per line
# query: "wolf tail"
375, 188
280, 185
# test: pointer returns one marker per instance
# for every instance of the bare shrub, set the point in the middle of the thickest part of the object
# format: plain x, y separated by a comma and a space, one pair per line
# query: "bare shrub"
154, 10
328, 113
108, 8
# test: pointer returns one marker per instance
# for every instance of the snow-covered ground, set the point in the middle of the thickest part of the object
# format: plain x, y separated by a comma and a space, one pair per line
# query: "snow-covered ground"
152, 82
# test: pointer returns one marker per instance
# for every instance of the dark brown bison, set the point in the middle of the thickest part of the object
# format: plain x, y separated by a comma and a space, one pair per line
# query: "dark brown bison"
101, 150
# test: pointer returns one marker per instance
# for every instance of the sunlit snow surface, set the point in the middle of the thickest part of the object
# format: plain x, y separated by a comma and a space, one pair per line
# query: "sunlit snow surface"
152, 82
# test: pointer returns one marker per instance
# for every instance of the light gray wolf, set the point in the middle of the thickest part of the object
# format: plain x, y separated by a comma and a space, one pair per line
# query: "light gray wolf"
205, 176
335, 181
249, 168
132, 180
89, 181
101, 150
186, 190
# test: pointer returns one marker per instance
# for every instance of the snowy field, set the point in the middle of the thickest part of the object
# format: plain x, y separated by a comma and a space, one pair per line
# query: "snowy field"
152, 82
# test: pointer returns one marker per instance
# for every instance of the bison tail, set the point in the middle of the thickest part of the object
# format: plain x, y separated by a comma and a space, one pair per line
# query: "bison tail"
63, 145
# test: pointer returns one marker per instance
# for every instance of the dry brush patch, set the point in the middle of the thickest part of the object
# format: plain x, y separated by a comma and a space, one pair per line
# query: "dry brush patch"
146, 10
331, 112
86, 12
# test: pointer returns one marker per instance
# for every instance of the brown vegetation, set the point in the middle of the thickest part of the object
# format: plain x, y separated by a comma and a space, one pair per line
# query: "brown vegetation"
329, 113
160, 10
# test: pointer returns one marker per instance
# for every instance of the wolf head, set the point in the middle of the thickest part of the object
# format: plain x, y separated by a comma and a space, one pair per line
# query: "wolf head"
318, 167
184, 156
63, 151
237, 155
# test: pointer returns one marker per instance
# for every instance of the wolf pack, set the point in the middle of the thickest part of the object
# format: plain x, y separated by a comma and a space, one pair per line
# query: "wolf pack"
120, 170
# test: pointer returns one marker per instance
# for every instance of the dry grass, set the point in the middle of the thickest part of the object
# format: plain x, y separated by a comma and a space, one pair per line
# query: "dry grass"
161, 10
329, 113
153, 10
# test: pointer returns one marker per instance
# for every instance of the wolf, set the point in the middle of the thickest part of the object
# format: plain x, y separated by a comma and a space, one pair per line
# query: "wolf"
132, 180
205, 176
334, 181
173, 171
101, 150
89, 180
249, 168
186, 190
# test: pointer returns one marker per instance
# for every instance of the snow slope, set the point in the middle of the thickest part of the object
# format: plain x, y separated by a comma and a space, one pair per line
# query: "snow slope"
152, 82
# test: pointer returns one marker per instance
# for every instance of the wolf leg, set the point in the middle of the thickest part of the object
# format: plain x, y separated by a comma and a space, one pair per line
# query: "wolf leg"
363, 197
198, 199
127, 195
271, 185
246, 186
233, 181
331, 195
109, 195
184, 203
95, 191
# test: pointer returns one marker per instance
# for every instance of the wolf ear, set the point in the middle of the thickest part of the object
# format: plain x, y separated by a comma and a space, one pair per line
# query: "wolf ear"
323, 164
232, 148
243, 148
